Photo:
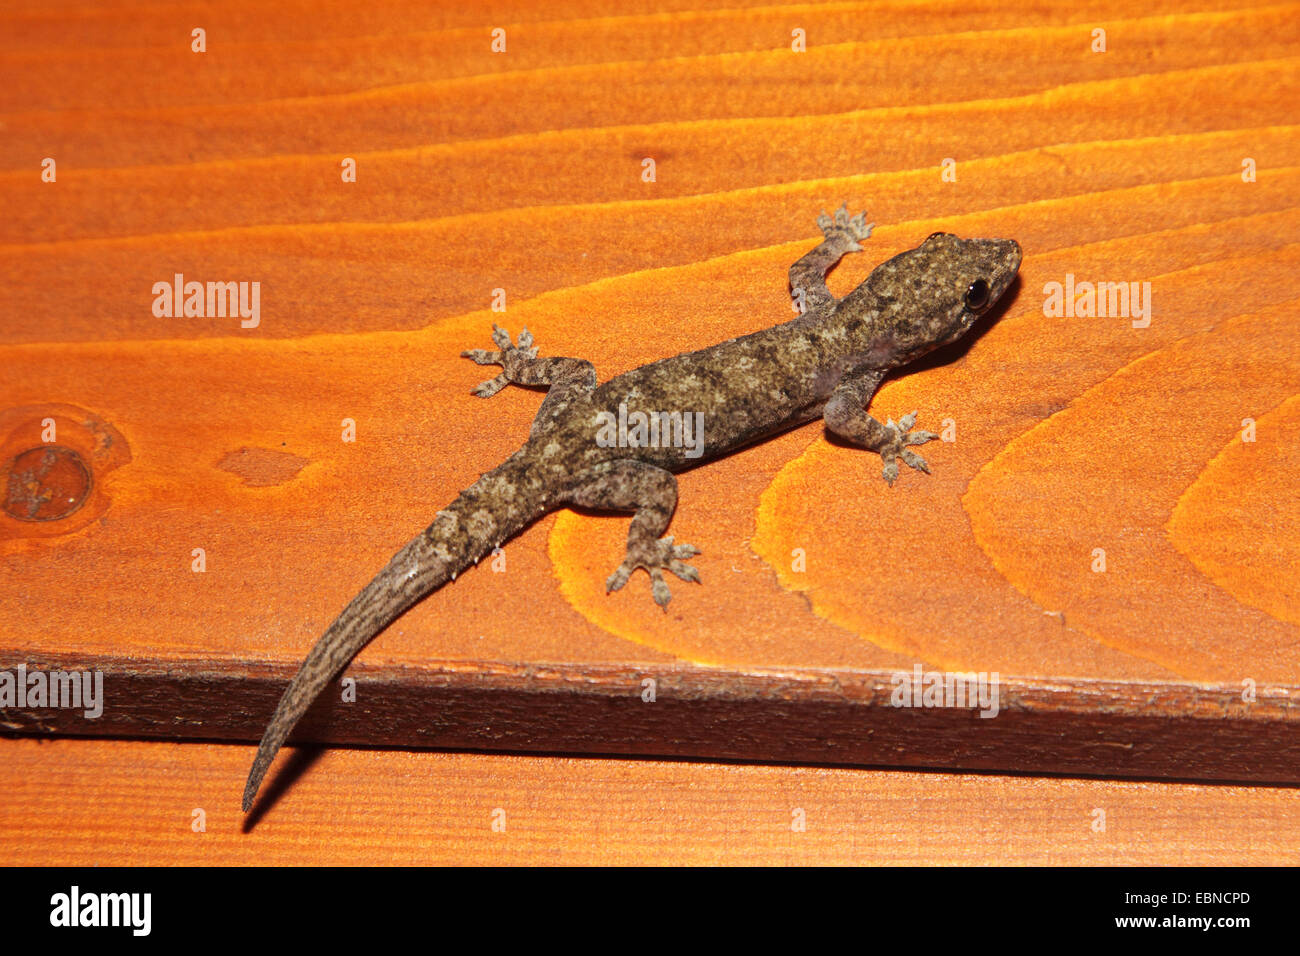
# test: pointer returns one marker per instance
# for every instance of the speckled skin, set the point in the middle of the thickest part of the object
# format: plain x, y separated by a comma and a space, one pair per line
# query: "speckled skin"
827, 363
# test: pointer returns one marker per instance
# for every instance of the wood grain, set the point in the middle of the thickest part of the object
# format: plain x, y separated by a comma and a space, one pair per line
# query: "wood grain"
111, 803
522, 171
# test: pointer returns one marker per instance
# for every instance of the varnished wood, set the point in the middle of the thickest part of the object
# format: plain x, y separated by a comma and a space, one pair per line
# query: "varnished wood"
112, 803
1135, 729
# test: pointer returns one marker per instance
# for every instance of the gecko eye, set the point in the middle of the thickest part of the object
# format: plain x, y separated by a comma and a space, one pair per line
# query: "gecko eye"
977, 296
933, 234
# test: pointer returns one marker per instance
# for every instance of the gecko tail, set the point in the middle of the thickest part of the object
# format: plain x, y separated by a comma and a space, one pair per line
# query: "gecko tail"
493, 509
382, 601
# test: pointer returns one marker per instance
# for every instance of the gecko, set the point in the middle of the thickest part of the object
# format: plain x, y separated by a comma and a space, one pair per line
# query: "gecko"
826, 362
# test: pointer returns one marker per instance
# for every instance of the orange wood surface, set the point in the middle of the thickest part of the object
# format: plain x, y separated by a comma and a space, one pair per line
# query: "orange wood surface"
116, 803
522, 171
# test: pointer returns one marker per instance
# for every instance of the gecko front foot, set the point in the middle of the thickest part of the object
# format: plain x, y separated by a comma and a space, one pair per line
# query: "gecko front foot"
895, 447
655, 558
511, 358
849, 229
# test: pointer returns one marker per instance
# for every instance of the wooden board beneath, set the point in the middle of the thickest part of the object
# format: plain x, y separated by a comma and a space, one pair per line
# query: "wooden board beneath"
124, 803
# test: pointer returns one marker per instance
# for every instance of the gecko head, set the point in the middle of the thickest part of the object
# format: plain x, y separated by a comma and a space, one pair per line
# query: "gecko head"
932, 295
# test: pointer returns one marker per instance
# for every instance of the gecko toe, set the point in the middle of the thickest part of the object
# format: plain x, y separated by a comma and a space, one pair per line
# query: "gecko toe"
659, 589
490, 387
684, 571
916, 461
619, 578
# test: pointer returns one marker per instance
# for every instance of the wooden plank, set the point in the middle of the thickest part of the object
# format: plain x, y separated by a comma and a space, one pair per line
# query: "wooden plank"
834, 717
112, 803
183, 513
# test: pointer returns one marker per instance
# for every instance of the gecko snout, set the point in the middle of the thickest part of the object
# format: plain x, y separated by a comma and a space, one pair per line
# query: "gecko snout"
999, 261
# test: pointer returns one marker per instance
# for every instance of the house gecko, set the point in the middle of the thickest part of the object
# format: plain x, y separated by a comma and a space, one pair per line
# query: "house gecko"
826, 363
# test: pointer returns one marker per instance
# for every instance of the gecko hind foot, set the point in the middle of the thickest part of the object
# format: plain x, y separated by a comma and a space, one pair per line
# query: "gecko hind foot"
659, 556
511, 358
895, 447
851, 228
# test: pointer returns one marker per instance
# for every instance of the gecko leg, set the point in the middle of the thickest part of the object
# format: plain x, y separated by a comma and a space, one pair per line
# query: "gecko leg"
846, 415
566, 377
808, 275
651, 492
